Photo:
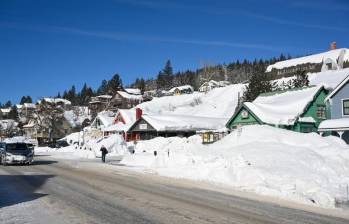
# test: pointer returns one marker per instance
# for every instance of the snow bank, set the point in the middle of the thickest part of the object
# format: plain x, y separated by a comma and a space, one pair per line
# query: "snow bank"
301, 167
115, 145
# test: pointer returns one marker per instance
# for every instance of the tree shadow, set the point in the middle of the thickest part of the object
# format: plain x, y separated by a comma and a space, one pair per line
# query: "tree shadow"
15, 189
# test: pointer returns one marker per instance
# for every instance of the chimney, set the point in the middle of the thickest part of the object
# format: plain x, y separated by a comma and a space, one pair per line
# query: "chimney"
138, 113
333, 46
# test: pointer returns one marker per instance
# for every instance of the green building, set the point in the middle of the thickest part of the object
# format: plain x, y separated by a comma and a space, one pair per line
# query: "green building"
300, 109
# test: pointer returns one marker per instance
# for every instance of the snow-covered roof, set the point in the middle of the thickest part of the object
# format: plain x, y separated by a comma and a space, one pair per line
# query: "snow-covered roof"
282, 108
133, 91
338, 87
130, 96
5, 110
29, 105
19, 106
106, 117
56, 100
334, 124
129, 115
329, 79
180, 88
119, 127
315, 58
105, 96
184, 122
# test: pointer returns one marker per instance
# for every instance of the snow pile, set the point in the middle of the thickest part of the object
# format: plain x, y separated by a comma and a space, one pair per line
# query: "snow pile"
220, 102
301, 167
88, 147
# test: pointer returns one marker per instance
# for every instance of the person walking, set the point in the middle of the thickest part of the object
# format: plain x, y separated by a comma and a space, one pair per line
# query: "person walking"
104, 153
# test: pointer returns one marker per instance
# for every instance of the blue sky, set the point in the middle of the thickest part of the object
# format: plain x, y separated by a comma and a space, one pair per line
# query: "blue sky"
47, 46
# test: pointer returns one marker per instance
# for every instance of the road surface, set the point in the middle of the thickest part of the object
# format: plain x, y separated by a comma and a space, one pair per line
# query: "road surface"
77, 192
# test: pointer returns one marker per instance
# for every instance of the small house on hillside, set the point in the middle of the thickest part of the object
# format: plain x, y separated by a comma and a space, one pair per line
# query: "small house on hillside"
4, 112
125, 99
338, 101
98, 104
102, 120
331, 60
300, 109
46, 130
55, 102
124, 119
212, 84
151, 126
8, 128
179, 90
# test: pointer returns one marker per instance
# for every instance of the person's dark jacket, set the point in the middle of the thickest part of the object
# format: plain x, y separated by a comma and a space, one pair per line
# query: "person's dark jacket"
104, 150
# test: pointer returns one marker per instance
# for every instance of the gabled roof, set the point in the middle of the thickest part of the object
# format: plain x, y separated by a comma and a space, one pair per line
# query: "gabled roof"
282, 107
133, 91
338, 88
127, 95
129, 115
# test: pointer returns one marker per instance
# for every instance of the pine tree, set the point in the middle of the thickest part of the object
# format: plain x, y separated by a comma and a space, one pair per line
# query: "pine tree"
8, 104
114, 84
103, 88
301, 80
258, 83
26, 99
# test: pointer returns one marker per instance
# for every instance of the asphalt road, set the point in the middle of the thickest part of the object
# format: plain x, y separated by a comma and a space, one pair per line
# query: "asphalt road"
66, 192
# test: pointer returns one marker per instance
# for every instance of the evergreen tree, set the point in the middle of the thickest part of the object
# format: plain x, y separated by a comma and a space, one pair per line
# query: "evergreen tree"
26, 99
258, 83
59, 95
114, 84
165, 77
8, 104
301, 80
103, 88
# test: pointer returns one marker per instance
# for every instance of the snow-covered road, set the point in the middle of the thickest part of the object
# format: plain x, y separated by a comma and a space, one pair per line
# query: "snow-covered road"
67, 191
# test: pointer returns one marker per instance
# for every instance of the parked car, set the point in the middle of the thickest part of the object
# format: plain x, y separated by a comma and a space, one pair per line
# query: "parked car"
61, 143
16, 153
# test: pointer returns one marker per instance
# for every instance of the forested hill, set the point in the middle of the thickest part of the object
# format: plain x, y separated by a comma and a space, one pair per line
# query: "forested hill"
234, 72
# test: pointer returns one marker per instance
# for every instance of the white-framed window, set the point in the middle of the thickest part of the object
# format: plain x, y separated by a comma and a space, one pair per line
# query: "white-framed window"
321, 111
345, 107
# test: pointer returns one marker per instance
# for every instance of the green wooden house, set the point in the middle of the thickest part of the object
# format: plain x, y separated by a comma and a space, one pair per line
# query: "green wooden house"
300, 109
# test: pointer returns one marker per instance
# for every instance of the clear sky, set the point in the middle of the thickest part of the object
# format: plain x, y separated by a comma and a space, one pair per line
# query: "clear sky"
48, 45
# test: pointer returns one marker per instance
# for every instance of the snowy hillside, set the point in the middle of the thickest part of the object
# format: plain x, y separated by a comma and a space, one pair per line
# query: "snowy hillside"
220, 102
314, 58
301, 167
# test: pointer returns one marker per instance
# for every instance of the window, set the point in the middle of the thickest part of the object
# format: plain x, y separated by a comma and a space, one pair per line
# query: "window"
321, 111
346, 107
